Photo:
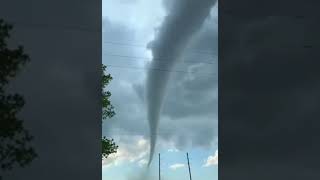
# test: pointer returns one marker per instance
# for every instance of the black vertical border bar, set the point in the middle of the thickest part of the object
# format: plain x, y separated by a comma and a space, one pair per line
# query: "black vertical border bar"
269, 90
61, 86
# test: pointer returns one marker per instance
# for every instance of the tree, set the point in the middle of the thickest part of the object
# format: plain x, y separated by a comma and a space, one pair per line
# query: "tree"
108, 145
15, 140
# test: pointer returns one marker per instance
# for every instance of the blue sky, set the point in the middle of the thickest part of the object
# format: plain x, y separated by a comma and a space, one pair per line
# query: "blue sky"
173, 166
186, 124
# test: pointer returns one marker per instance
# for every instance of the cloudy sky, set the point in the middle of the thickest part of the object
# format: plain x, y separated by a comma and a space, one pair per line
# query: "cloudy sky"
188, 120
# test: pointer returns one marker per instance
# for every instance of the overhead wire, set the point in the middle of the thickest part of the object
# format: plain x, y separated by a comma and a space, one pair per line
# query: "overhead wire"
57, 26
159, 69
86, 29
159, 59
197, 51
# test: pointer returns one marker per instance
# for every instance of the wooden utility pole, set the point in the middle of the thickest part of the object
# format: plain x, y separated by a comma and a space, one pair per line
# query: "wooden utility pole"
189, 166
159, 168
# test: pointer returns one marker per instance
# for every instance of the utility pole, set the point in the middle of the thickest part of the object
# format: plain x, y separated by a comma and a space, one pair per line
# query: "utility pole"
159, 168
189, 166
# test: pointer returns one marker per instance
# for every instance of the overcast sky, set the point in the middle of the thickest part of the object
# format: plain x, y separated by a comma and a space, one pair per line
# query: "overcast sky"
188, 121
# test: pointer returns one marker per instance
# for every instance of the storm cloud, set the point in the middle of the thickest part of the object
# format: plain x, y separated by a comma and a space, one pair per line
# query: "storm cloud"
189, 114
182, 22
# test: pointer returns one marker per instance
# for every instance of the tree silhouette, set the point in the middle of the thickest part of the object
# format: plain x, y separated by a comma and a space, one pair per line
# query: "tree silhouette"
15, 141
108, 145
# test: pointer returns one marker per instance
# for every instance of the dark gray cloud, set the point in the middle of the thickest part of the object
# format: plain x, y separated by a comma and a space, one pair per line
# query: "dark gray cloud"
125, 80
178, 27
192, 101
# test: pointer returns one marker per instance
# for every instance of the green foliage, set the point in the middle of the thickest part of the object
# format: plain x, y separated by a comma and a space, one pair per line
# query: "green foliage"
108, 146
14, 139
107, 108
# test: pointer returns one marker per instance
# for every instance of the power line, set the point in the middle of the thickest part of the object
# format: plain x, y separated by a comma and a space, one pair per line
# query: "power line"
124, 132
156, 59
87, 29
144, 46
64, 27
157, 69
117, 132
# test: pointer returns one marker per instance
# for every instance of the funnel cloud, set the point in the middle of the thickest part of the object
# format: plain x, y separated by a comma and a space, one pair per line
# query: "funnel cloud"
184, 19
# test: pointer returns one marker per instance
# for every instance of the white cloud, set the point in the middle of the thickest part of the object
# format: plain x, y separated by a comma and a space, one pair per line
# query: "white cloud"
142, 162
177, 166
128, 152
173, 150
212, 160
